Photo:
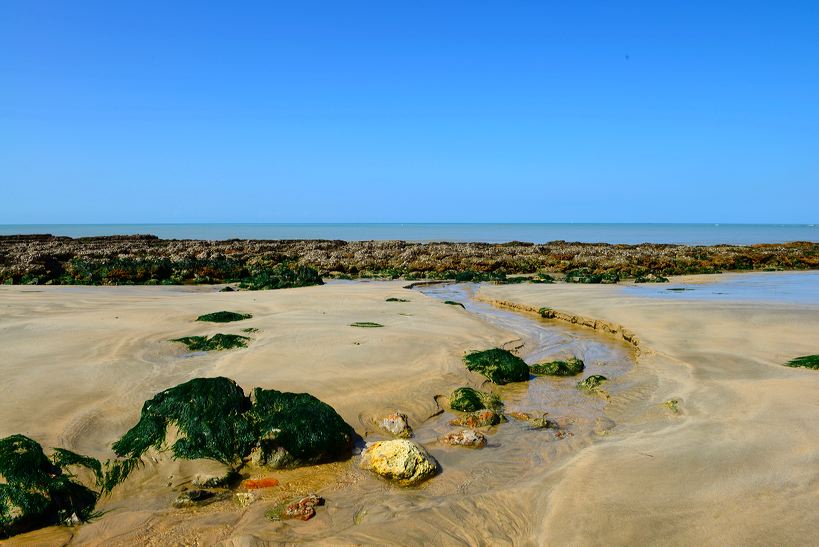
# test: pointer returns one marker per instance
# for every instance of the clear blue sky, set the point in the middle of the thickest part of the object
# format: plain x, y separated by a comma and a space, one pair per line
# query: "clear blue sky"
409, 111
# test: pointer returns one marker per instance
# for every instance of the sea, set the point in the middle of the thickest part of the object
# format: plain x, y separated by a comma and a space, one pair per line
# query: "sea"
689, 234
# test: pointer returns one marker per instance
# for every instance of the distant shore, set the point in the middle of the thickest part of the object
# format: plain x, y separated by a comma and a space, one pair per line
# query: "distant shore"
146, 259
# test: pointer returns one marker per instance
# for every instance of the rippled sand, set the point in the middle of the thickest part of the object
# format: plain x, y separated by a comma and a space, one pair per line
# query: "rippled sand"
737, 464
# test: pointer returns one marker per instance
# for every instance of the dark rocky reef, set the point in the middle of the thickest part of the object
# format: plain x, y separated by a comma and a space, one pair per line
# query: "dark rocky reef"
44, 259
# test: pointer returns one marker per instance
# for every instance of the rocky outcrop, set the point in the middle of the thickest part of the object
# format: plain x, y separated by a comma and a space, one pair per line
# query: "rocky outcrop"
140, 259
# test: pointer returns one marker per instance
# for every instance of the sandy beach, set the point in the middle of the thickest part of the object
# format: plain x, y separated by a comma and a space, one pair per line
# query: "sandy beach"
736, 464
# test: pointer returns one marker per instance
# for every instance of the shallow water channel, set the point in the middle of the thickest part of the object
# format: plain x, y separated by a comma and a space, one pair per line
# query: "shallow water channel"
491, 492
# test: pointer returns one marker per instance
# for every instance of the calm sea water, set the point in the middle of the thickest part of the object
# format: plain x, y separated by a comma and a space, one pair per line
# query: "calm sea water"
693, 234
790, 287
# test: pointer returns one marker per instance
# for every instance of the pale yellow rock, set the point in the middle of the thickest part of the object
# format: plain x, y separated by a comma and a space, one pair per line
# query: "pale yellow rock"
404, 462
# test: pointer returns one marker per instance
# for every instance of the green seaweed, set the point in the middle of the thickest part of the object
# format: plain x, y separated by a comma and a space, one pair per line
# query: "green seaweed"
64, 458
224, 317
394, 299
466, 399
297, 428
281, 276
498, 365
570, 367
366, 324
209, 414
806, 361
585, 275
35, 492
217, 342
592, 383
453, 303
250, 330
215, 420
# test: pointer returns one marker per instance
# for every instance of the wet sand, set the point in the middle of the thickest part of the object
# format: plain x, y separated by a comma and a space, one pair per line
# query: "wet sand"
737, 464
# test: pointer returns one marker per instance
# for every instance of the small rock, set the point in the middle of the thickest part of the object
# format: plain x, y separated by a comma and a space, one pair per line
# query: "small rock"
482, 418
304, 509
193, 498
73, 520
398, 425
522, 416
465, 437
592, 382
245, 498
405, 462
542, 423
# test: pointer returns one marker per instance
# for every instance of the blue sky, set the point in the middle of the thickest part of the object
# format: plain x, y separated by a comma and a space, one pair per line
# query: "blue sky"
416, 111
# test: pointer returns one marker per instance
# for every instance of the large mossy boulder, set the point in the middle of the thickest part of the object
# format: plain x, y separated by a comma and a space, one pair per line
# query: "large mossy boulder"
212, 418
404, 462
569, 367
297, 429
466, 399
498, 365
36, 491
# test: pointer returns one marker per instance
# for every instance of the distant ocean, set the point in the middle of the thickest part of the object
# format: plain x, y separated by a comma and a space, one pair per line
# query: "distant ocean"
692, 234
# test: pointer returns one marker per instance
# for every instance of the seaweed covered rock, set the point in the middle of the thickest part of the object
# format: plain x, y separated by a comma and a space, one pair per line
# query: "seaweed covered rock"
569, 367
297, 429
397, 424
592, 382
465, 437
36, 491
585, 275
404, 462
217, 342
209, 414
807, 361
498, 365
466, 399
481, 418
213, 419
224, 316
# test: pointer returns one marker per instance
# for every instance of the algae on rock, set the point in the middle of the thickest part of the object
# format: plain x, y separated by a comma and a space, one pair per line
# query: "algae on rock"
217, 342
571, 367
807, 361
592, 382
498, 365
466, 399
37, 492
297, 429
214, 419
224, 317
